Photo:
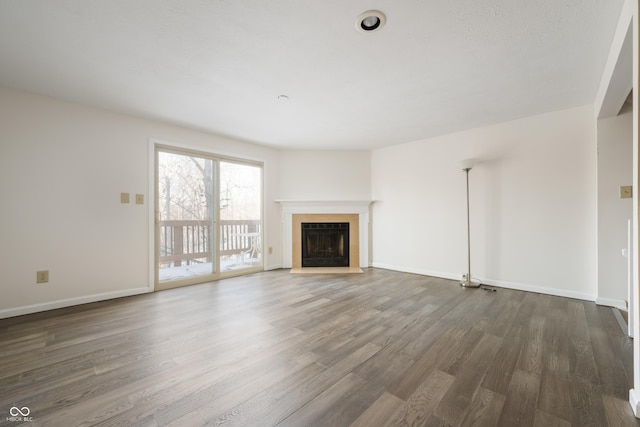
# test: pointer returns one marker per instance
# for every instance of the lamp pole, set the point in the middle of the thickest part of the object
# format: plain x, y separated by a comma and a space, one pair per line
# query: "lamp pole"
468, 283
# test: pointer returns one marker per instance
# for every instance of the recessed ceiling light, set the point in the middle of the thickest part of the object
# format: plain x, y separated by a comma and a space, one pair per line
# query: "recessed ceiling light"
371, 20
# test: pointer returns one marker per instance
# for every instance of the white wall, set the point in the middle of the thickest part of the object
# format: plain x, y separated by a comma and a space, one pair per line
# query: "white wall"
533, 201
62, 168
615, 168
325, 175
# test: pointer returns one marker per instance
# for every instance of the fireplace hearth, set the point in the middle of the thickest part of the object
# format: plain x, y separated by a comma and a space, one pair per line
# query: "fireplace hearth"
325, 244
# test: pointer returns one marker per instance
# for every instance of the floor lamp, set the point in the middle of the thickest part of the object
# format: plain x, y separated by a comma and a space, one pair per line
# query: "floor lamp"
467, 165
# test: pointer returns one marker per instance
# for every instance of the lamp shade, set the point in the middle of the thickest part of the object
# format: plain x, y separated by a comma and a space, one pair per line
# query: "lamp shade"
468, 163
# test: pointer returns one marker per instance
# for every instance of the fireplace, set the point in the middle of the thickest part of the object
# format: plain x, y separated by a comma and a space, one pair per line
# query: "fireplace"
296, 212
325, 244
335, 246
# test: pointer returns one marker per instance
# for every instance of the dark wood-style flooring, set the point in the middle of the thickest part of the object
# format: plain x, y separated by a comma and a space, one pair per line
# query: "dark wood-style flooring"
273, 348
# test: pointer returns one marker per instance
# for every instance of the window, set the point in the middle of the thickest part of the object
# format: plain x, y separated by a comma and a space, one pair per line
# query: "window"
208, 217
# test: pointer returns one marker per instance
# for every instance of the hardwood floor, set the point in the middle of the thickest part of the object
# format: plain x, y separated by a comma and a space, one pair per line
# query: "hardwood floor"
273, 348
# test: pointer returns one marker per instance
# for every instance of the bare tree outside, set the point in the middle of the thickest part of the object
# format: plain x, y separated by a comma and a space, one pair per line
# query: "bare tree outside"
186, 187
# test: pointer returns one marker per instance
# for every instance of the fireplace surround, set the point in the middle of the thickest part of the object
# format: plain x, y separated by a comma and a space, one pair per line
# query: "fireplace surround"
294, 212
353, 249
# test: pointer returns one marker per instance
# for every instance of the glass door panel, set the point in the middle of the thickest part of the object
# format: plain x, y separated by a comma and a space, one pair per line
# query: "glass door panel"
240, 216
186, 213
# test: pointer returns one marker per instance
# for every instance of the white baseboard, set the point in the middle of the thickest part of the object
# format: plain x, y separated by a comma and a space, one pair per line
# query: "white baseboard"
540, 290
635, 402
616, 303
420, 271
52, 305
497, 283
35, 308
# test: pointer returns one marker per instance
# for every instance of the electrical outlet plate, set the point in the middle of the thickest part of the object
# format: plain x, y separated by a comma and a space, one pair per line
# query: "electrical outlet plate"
626, 192
124, 197
139, 199
42, 276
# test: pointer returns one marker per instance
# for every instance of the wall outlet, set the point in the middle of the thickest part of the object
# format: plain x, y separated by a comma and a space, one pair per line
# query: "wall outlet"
626, 192
124, 197
139, 199
42, 276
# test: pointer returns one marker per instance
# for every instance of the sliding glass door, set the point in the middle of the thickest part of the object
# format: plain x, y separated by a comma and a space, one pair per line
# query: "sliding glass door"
240, 218
208, 217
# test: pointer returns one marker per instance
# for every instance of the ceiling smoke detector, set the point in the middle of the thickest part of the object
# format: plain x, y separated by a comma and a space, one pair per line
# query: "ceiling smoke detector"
371, 20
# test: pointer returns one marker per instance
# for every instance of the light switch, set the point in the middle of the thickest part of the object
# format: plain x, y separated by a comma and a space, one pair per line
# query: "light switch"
139, 199
124, 197
626, 191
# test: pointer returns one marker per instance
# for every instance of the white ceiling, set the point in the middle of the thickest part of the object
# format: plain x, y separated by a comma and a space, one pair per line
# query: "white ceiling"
438, 66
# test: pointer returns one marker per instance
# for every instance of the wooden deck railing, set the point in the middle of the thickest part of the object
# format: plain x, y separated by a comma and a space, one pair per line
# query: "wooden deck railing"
189, 241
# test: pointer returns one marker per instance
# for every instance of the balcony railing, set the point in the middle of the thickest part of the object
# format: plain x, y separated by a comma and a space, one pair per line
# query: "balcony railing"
189, 241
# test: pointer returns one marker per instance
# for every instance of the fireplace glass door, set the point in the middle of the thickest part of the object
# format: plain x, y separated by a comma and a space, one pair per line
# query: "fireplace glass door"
325, 244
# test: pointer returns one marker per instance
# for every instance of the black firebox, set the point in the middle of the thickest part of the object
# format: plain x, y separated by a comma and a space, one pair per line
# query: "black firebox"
325, 244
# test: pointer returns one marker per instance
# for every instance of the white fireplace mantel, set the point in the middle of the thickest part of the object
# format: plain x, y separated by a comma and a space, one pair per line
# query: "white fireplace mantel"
291, 207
